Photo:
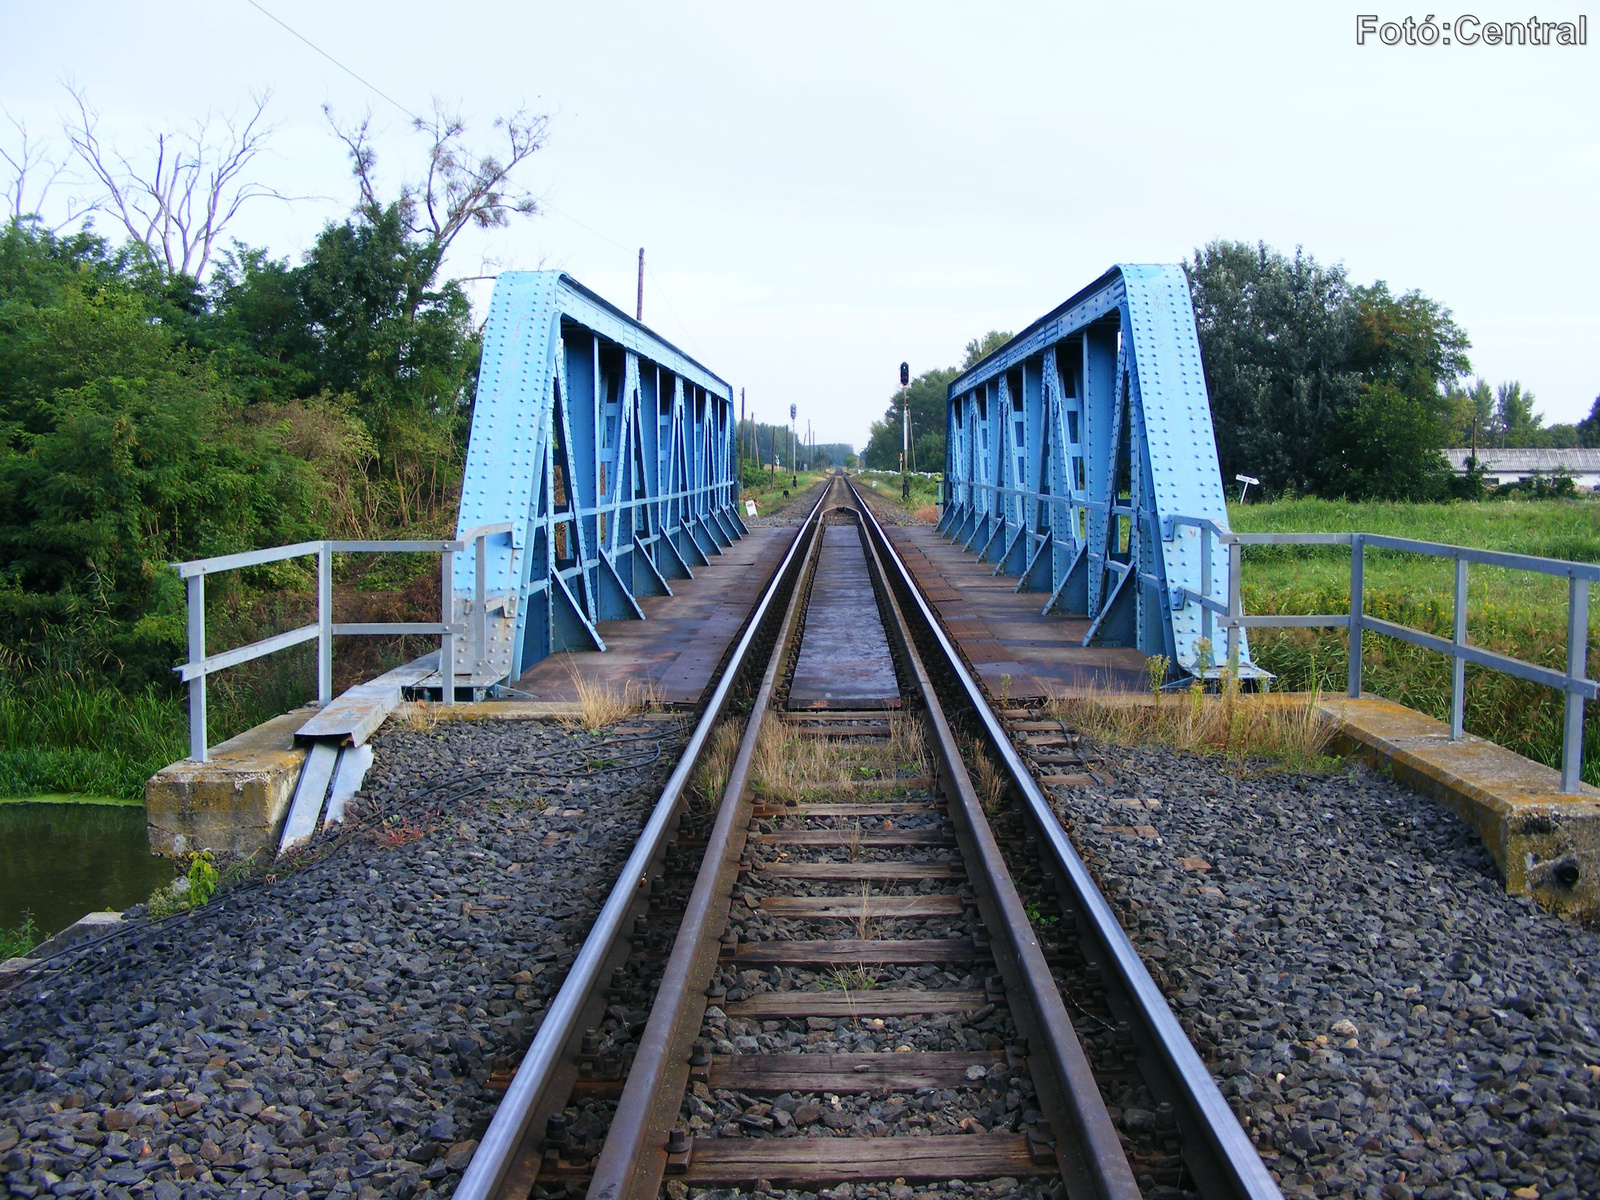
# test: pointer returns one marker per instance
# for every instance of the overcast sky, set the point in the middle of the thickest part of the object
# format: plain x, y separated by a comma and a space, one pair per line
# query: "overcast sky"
828, 189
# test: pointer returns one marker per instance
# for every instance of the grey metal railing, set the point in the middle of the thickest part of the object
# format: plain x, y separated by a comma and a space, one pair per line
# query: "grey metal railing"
324, 629
1573, 683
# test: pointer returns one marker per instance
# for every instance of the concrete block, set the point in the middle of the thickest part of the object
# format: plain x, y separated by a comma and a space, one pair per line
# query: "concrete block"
236, 802
1546, 843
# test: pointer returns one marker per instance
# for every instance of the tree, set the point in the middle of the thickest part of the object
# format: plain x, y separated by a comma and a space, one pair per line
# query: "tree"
1300, 365
461, 187
1589, 428
27, 193
979, 349
121, 449
192, 184
1472, 419
1275, 337
927, 398
1516, 424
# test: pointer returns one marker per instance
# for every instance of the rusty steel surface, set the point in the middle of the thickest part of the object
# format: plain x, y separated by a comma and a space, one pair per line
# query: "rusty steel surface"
844, 657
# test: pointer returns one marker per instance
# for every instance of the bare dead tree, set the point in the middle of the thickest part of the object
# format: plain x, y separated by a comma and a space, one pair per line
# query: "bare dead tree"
25, 194
177, 202
461, 186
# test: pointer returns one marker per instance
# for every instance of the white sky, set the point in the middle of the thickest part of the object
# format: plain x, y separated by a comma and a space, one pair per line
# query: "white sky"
825, 190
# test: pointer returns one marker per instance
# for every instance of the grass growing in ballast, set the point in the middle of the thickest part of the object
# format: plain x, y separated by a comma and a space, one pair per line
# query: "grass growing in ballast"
1278, 732
1511, 612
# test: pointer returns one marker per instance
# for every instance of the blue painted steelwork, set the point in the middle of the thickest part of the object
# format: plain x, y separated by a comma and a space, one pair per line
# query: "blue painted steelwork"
608, 449
1069, 449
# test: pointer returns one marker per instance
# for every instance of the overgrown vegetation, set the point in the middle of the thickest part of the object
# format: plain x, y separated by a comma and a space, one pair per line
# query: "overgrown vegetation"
150, 415
768, 492
62, 735
1511, 612
788, 765
923, 503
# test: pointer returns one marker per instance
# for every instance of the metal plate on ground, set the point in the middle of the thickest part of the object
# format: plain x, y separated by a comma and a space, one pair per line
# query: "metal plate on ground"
844, 659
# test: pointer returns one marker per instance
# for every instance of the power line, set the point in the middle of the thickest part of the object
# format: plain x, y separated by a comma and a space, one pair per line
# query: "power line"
333, 60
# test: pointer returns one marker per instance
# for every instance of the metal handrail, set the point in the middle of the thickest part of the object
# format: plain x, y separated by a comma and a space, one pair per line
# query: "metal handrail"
324, 629
1573, 682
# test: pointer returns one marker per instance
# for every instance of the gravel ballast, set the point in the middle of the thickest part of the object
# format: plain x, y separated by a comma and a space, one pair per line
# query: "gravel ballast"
331, 1032
1386, 1021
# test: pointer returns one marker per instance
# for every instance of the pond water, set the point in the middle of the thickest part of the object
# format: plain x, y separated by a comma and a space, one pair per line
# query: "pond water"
60, 861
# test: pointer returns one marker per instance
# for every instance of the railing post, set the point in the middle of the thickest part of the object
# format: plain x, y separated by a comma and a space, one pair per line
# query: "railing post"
1206, 623
1358, 564
447, 639
1458, 665
1235, 603
325, 620
1577, 662
480, 619
197, 654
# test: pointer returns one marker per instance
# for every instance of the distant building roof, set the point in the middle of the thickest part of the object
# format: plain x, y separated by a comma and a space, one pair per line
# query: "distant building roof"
1571, 462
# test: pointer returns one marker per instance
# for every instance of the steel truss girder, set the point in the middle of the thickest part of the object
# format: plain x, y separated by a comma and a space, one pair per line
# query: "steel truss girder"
1069, 448
608, 449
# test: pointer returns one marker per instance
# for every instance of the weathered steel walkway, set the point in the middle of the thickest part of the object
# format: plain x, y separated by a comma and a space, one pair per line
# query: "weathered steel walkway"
675, 650
1002, 632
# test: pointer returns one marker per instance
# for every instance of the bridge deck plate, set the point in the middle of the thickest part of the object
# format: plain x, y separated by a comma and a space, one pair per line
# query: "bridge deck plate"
683, 637
844, 657
1002, 632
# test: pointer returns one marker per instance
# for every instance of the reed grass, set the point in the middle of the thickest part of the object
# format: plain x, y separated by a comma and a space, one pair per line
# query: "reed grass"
58, 734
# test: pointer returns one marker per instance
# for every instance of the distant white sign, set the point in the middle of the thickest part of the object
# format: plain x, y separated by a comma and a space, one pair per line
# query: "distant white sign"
749, 508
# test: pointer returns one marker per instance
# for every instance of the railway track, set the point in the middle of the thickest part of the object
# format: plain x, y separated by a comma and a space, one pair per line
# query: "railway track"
817, 968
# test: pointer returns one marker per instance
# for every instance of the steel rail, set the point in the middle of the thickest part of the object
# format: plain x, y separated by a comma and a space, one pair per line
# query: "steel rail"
634, 1158
1087, 1149
1217, 1151
528, 1093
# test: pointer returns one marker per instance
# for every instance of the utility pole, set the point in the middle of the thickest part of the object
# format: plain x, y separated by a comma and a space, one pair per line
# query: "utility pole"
638, 307
739, 457
905, 430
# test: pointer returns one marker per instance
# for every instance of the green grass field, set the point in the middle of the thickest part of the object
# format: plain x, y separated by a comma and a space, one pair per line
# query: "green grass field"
1511, 612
